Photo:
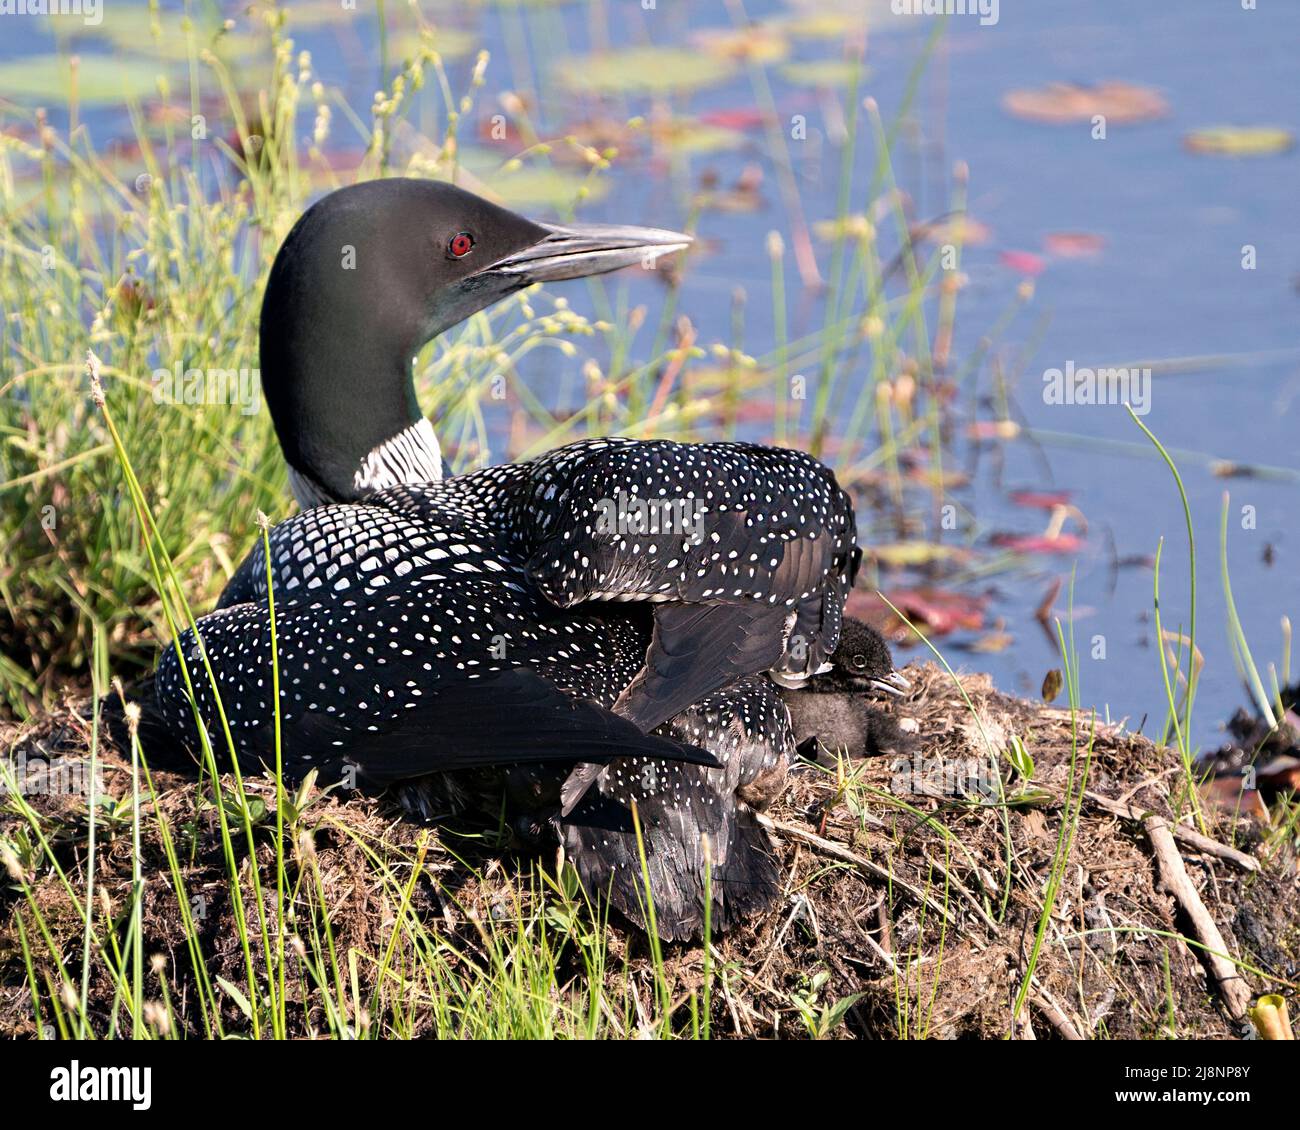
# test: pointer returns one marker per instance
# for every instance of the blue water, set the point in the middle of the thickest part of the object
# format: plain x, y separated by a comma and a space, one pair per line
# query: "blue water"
1168, 284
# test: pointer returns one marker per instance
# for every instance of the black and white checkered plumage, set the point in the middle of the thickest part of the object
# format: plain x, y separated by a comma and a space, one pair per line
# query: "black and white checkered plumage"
594, 625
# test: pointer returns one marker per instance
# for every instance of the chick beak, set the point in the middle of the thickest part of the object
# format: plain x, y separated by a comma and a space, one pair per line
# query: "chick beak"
893, 683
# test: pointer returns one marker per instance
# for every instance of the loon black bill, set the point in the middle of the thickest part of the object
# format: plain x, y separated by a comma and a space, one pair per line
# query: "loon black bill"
574, 251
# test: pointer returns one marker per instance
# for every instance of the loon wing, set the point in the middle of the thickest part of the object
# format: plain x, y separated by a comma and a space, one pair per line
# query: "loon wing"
696, 649
507, 717
370, 684
762, 533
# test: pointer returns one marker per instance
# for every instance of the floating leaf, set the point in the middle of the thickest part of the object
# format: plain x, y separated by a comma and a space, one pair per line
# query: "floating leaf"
993, 429
852, 226
644, 70
684, 135
1024, 262
1041, 500
905, 553
1073, 244
992, 643
96, 78
827, 74
173, 38
845, 19
449, 42
1061, 102
956, 229
1038, 543
937, 612
541, 187
1240, 141
740, 119
756, 43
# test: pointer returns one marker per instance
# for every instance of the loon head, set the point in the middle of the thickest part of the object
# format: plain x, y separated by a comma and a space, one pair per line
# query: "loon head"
861, 662
368, 275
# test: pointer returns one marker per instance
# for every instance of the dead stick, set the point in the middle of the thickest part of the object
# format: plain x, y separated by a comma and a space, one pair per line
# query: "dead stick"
1188, 836
1173, 874
1056, 1017
840, 852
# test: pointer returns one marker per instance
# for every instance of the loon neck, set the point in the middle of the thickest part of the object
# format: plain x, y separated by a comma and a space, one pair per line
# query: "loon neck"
345, 434
337, 378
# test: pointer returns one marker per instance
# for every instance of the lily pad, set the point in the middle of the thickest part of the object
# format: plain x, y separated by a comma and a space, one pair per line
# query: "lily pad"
817, 19
133, 30
1240, 141
965, 230
449, 42
936, 612
645, 70
682, 135
95, 78
533, 186
757, 44
826, 74
853, 226
1062, 102
1073, 244
908, 553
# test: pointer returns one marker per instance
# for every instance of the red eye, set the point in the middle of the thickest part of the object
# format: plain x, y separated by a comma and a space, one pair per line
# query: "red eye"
462, 243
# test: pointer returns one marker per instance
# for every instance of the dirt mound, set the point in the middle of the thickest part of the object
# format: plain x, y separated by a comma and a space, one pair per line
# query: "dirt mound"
938, 895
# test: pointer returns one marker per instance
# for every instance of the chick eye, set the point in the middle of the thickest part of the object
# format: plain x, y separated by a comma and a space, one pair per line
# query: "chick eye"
859, 661
460, 245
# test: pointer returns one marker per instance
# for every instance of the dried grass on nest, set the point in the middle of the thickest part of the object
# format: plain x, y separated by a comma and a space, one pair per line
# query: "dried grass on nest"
863, 918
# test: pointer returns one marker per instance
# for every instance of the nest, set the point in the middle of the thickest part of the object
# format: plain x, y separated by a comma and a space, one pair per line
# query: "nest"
923, 896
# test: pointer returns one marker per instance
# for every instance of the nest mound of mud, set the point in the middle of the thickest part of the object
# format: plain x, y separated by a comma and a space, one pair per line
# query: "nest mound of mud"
915, 904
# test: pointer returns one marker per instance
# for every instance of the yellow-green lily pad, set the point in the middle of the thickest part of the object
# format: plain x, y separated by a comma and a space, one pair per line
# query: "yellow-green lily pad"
758, 44
682, 135
1240, 141
449, 42
94, 78
528, 186
828, 74
645, 70
902, 554
172, 36
818, 19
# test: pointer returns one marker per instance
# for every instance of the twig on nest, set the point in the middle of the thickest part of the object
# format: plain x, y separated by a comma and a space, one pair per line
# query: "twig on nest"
1188, 836
840, 852
1173, 874
1051, 1008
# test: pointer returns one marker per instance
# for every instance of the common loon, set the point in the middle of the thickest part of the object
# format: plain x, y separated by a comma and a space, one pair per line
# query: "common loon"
524, 614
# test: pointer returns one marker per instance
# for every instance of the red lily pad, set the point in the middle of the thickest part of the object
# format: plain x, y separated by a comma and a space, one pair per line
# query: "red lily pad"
1062, 102
1038, 543
993, 429
936, 612
739, 119
1073, 244
1041, 499
1024, 262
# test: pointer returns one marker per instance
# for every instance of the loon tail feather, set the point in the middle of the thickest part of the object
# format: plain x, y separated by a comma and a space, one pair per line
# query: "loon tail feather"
685, 832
